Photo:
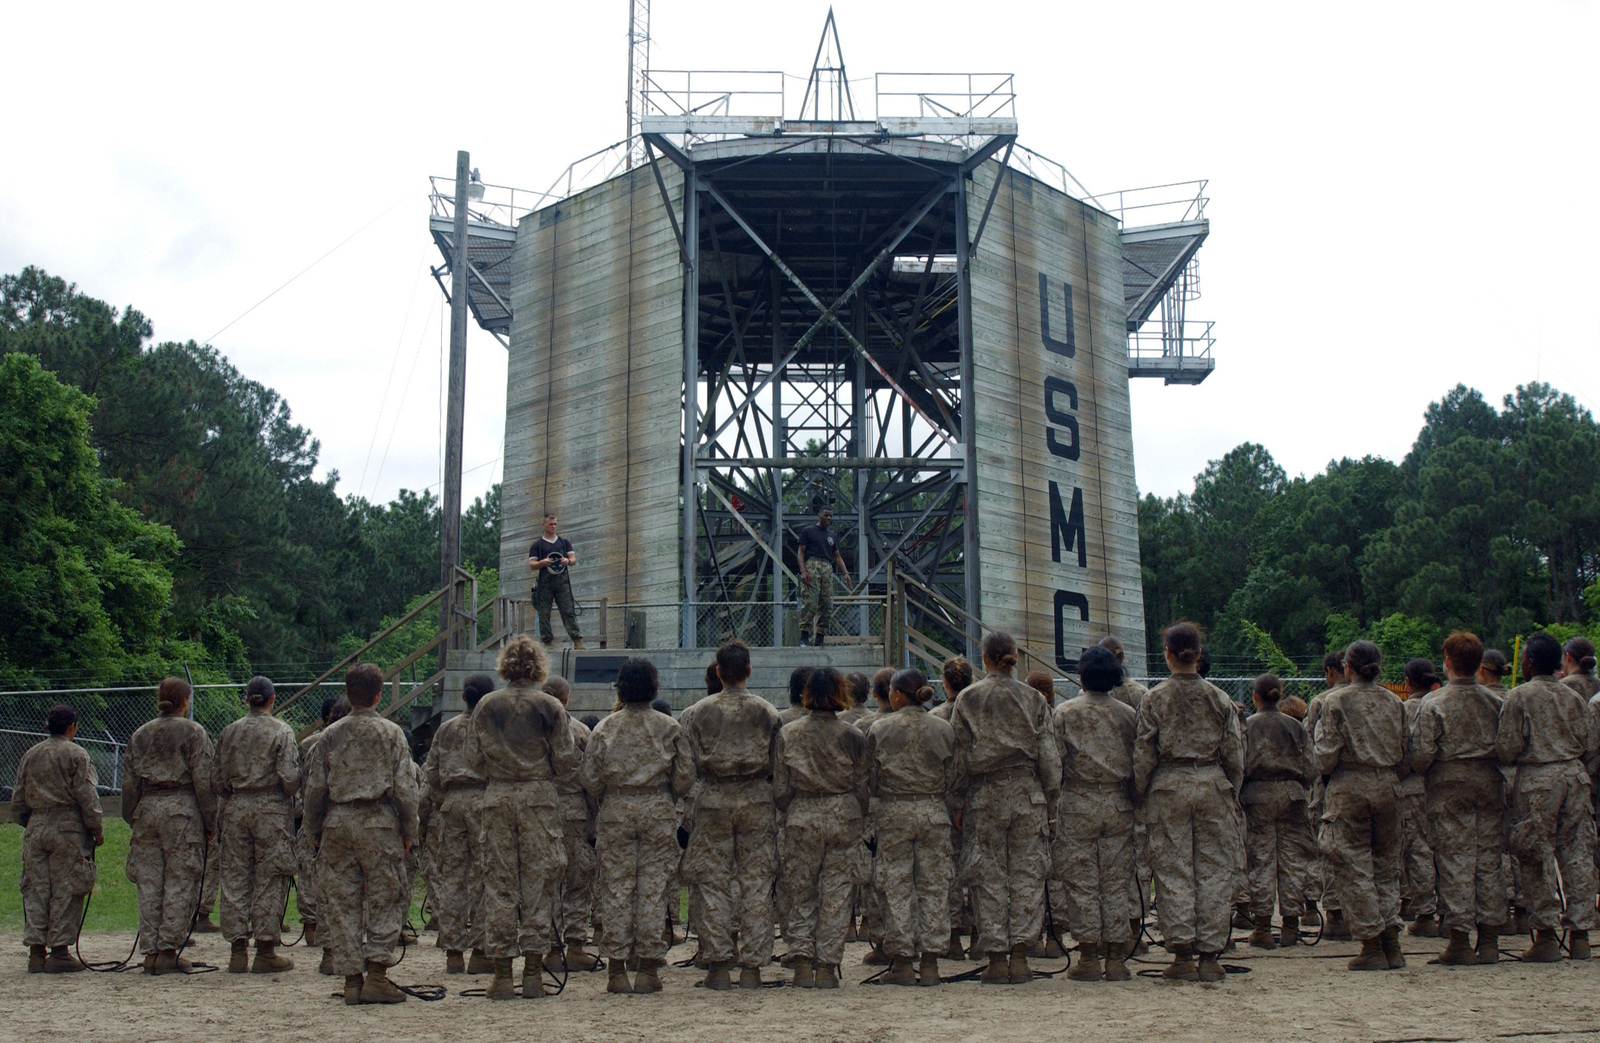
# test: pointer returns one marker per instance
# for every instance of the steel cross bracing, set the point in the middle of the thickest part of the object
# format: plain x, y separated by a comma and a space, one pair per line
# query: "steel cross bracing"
827, 357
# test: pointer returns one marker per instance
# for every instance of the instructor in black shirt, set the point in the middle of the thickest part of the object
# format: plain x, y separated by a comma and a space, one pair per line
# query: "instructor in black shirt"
549, 558
819, 556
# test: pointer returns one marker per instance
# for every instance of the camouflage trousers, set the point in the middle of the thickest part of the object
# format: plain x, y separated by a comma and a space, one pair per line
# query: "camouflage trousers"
823, 857
257, 861
211, 882
911, 875
1552, 828
305, 889
361, 883
1093, 856
57, 871
575, 888
1005, 858
731, 861
1466, 818
1192, 817
557, 588
1361, 836
816, 598
164, 856
1279, 846
1418, 881
457, 854
523, 856
636, 846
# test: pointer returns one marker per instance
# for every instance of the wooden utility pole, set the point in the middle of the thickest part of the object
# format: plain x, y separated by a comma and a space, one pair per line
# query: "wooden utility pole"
455, 409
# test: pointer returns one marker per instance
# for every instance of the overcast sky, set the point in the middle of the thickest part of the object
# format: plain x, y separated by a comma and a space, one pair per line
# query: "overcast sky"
1403, 196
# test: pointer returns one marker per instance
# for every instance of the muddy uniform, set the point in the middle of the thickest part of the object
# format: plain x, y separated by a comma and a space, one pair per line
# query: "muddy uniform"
1453, 748
635, 767
1359, 743
957, 904
361, 811
305, 849
575, 887
731, 854
1009, 775
1547, 730
456, 788
419, 858
53, 797
1278, 838
820, 781
1189, 765
258, 774
1418, 881
520, 739
911, 771
1093, 849
168, 800
1321, 883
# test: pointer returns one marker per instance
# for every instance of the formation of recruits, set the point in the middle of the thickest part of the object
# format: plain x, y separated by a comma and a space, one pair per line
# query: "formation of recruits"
1470, 804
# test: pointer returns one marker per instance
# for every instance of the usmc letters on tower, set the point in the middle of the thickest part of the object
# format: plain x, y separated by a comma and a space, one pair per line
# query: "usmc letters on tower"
1069, 551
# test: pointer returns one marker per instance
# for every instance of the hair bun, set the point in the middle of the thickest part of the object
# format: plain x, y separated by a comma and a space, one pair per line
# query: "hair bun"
924, 693
1588, 662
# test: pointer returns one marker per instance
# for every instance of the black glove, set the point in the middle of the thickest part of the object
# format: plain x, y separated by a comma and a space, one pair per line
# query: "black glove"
683, 838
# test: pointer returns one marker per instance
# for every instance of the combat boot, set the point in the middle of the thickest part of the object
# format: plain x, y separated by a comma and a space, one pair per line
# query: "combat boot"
1521, 920
577, 643
532, 977
1372, 957
875, 956
205, 925
1290, 933
1051, 949
1545, 947
1210, 968
1313, 916
1137, 946
1184, 967
827, 976
377, 988
1459, 952
1241, 917
717, 978
1018, 971
1488, 944
149, 963
169, 962
1424, 926
1337, 930
239, 956
581, 959
502, 988
1116, 970
900, 972
1261, 937
805, 973
268, 961
308, 933
850, 932
998, 972
1577, 945
60, 961
1089, 967
955, 951
479, 963
35, 959
326, 966
648, 978
1390, 941
352, 990
617, 976
454, 963
408, 936
928, 971
556, 963
749, 977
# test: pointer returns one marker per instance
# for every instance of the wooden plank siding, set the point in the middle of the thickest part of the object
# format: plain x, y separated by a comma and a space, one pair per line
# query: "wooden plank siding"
593, 396
1035, 229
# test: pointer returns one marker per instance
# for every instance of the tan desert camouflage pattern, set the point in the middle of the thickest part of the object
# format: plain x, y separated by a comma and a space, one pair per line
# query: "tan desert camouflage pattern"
911, 772
53, 797
1093, 848
257, 776
167, 798
1279, 844
576, 888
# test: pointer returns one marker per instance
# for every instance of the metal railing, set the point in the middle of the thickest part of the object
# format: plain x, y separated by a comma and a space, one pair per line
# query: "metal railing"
1154, 341
969, 95
1172, 203
718, 92
505, 205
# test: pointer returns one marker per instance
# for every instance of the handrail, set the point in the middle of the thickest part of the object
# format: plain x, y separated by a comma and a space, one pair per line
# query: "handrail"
969, 617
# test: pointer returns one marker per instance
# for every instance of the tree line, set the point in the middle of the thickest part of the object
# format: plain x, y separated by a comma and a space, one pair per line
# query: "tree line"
161, 510
1491, 523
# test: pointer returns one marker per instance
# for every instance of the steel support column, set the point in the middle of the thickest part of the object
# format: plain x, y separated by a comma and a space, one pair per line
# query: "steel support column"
691, 403
971, 565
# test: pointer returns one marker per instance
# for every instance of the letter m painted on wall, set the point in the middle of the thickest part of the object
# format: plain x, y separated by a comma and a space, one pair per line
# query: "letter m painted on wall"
1066, 526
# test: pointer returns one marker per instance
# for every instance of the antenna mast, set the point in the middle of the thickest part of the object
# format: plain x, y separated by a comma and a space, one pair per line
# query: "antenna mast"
638, 74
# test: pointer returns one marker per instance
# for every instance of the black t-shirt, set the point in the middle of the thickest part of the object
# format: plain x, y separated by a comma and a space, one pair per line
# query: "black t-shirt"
818, 543
543, 548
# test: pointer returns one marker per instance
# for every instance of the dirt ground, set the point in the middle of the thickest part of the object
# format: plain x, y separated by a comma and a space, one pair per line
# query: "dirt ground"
1301, 995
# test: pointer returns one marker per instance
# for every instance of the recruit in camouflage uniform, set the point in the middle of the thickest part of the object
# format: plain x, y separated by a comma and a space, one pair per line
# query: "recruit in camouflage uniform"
819, 782
168, 799
1453, 747
1320, 885
1419, 886
575, 887
305, 850
1189, 767
54, 799
361, 811
731, 853
520, 739
1009, 777
1278, 838
911, 773
957, 904
1093, 847
418, 858
258, 774
1359, 743
1546, 731
635, 766
457, 788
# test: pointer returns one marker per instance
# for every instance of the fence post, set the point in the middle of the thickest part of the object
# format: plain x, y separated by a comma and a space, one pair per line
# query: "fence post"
604, 604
